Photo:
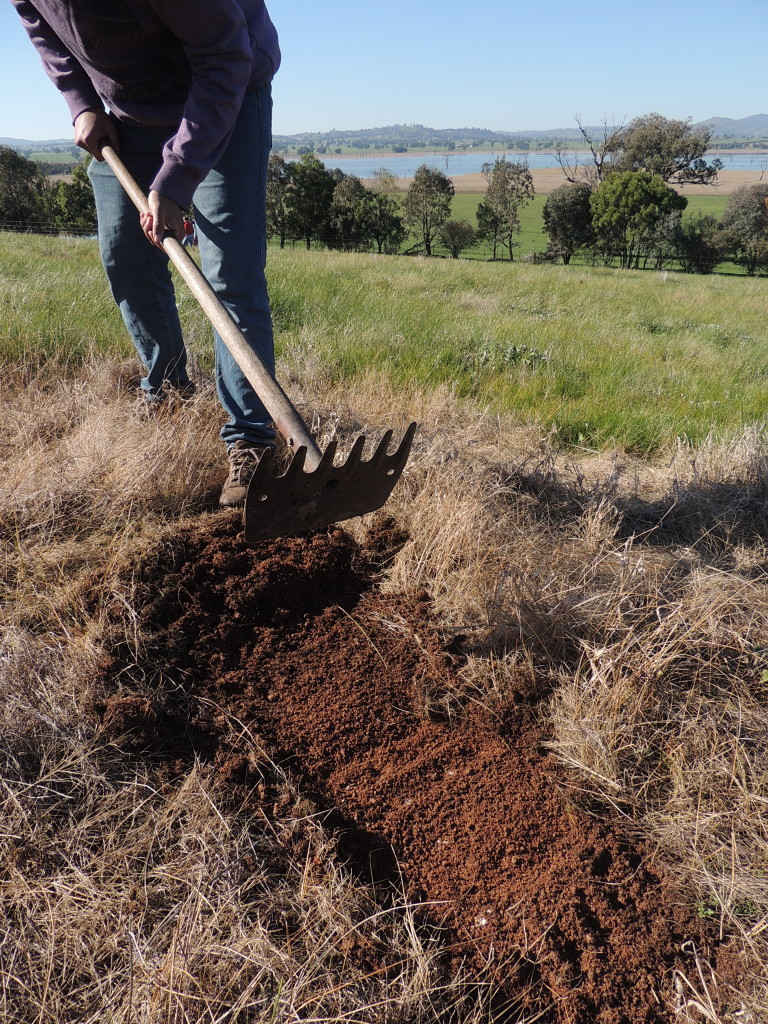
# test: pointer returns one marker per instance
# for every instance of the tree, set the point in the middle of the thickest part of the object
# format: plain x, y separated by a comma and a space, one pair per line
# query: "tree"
600, 147
456, 236
75, 205
746, 216
350, 228
279, 183
674, 150
510, 186
309, 200
380, 212
661, 244
26, 197
702, 244
568, 219
626, 210
427, 203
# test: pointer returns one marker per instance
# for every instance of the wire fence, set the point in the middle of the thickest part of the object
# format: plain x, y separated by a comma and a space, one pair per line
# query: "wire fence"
652, 260
45, 228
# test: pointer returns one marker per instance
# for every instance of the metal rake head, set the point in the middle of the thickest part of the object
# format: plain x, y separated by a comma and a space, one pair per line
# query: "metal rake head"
298, 501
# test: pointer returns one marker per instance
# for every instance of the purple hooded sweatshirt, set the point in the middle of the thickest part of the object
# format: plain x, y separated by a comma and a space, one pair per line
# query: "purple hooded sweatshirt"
184, 65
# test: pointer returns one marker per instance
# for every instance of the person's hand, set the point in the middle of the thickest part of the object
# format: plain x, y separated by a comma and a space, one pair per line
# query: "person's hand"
164, 215
92, 129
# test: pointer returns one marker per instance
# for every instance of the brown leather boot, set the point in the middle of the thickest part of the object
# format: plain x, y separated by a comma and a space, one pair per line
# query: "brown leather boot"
243, 460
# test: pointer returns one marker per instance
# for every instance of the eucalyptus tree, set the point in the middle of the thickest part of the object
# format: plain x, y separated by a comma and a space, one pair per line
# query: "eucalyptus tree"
674, 150
628, 208
456, 236
26, 197
427, 204
278, 204
510, 187
746, 217
567, 219
309, 199
350, 227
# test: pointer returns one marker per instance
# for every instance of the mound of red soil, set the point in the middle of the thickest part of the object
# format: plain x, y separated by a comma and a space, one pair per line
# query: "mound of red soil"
294, 639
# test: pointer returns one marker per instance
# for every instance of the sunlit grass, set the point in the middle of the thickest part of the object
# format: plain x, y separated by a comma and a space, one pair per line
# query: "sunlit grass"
604, 357
628, 359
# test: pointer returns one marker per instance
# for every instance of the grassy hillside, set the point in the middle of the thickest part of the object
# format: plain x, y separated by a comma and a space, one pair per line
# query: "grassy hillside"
602, 617
608, 358
604, 357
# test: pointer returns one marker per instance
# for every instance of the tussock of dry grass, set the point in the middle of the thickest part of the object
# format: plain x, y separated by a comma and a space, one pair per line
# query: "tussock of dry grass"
160, 906
633, 596
123, 899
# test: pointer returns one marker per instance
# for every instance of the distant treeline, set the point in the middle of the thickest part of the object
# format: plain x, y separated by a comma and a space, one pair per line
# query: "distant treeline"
31, 201
724, 133
616, 205
617, 208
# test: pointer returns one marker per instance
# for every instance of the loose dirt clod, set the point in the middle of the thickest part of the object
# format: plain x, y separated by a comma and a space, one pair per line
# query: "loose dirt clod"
294, 640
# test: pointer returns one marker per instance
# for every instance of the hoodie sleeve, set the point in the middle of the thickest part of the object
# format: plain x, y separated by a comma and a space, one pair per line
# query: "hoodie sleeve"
62, 68
216, 41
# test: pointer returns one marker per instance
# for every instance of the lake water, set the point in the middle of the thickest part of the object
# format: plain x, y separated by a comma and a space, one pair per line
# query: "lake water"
455, 164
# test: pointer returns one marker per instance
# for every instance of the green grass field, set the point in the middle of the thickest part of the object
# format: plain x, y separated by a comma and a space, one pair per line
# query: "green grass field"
532, 237
606, 357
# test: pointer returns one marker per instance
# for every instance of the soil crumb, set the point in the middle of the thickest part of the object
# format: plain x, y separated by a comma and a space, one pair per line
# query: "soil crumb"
293, 638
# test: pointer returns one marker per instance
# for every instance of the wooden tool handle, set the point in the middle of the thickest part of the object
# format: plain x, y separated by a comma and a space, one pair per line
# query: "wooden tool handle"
279, 406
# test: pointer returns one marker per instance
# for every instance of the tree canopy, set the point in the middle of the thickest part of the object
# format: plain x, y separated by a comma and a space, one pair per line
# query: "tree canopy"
25, 195
427, 204
567, 219
456, 236
674, 150
510, 186
746, 217
309, 199
627, 208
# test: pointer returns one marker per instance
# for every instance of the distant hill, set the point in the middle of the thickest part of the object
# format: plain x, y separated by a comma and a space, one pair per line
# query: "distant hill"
36, 144
754, 126
419, 136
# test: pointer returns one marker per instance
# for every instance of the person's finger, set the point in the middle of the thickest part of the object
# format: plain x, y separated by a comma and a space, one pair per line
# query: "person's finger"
147, 222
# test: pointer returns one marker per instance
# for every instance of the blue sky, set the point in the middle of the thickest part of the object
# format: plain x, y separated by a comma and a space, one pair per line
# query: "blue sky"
499, 64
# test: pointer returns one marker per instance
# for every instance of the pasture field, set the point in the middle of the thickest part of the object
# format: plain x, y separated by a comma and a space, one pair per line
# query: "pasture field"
532, 237
605, 358
497, 754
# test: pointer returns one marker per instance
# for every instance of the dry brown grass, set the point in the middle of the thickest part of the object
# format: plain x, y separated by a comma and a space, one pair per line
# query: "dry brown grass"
635, 595
125, 898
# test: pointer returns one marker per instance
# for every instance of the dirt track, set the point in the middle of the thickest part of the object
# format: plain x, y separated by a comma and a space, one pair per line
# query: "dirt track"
340, 684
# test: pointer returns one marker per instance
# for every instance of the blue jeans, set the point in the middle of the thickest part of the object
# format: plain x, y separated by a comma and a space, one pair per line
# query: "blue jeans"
230, 219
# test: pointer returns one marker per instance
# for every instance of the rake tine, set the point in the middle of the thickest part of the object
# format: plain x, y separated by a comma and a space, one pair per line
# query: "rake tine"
380, 454
326, 463
400, 457
264, 472
353, 459
296, 466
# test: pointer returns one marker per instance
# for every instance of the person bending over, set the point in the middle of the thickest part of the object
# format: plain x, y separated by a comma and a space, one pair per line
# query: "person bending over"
182, 91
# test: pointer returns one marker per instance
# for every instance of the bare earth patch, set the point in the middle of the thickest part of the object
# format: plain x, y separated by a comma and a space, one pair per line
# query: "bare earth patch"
340, 684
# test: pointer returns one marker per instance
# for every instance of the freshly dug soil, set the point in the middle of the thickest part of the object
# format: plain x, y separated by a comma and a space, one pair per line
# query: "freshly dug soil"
337, 682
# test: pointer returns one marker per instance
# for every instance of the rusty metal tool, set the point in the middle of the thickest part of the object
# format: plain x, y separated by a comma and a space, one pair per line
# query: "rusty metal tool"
312, 492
